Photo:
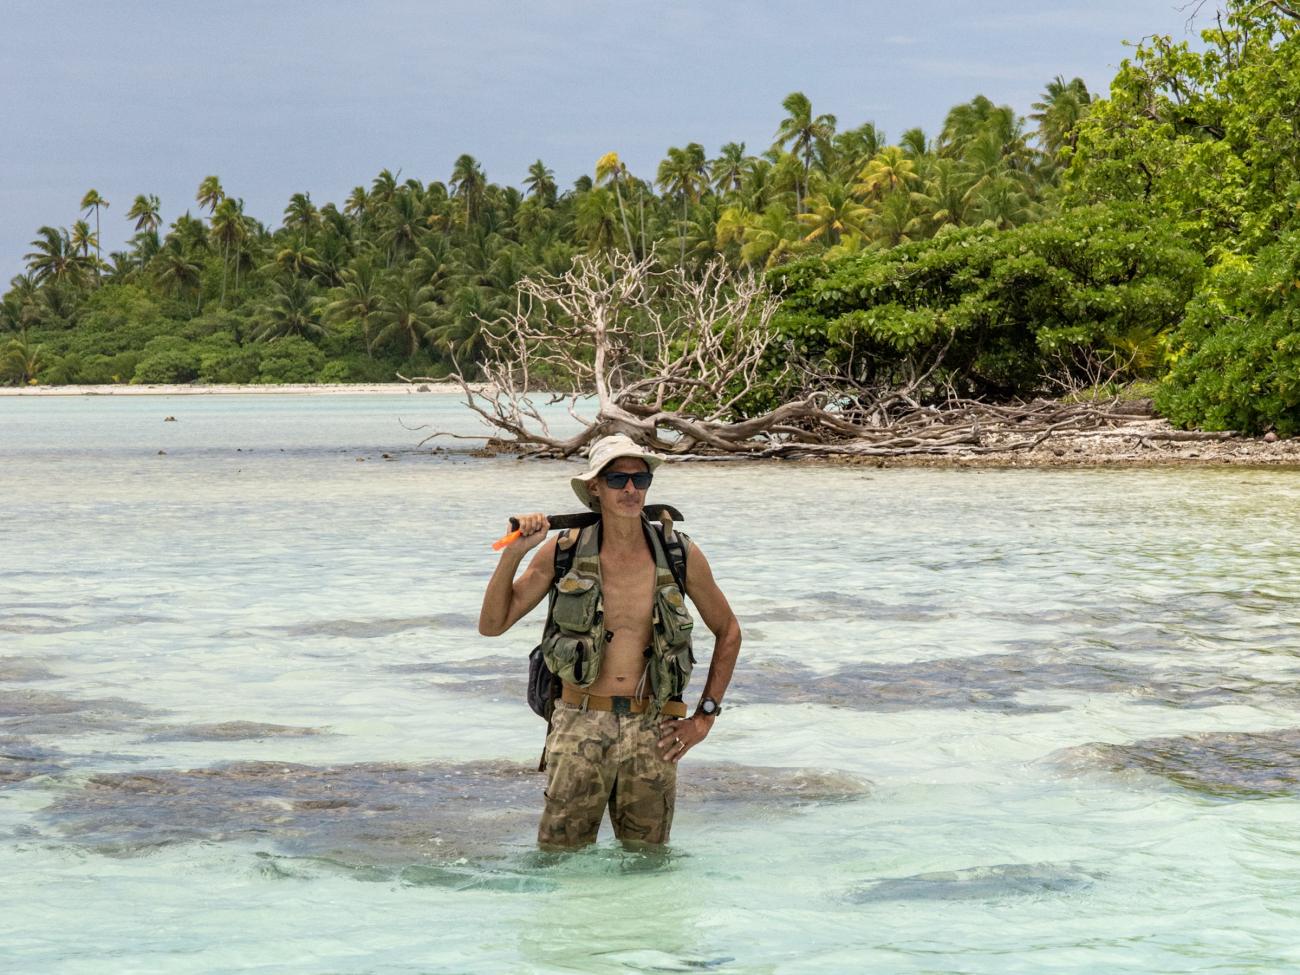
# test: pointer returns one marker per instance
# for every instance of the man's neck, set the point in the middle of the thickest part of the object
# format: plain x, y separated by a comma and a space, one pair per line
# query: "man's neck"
619, 535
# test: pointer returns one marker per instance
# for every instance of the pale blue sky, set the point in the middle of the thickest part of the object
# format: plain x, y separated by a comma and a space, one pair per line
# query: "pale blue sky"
149, 97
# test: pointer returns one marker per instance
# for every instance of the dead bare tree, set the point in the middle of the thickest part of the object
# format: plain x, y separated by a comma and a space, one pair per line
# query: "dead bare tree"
656, 353
670, 359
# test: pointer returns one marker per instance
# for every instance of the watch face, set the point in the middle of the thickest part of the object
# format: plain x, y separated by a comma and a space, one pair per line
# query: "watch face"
709, 706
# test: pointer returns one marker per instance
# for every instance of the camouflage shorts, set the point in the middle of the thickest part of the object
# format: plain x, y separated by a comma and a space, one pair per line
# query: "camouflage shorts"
597, 759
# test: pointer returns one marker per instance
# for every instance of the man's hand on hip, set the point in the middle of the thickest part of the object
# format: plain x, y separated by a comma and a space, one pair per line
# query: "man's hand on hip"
678, 736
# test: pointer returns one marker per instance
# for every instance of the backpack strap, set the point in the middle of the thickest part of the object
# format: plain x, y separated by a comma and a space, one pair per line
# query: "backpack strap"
566, 547
675, 550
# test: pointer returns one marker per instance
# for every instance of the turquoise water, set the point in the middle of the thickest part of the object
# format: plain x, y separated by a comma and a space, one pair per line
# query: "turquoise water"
984, 721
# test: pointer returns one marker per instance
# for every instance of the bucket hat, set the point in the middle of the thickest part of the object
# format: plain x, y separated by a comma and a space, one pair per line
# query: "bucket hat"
604, 452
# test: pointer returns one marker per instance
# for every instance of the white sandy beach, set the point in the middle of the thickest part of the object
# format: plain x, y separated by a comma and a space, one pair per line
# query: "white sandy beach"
307, 389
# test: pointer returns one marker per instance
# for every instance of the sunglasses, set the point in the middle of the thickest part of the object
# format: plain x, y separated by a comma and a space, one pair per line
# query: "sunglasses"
618, 480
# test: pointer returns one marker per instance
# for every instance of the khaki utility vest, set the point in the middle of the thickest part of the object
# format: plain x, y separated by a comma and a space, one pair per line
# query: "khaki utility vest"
573, 644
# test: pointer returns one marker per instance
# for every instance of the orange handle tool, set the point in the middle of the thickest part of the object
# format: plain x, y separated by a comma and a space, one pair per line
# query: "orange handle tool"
505, 540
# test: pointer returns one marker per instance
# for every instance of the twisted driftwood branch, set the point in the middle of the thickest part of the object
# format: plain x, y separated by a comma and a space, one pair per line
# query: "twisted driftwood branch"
670, 358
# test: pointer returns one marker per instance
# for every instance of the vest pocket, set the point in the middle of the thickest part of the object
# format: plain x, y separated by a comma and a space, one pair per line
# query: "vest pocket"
571, 659
683, 664
575, 604
674, 617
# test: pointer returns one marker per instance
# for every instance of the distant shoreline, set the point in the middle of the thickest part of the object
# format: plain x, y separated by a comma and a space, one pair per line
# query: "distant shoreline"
296, 389
1137, 445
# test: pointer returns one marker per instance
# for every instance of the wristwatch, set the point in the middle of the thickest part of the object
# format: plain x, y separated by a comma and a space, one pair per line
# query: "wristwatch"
709, 707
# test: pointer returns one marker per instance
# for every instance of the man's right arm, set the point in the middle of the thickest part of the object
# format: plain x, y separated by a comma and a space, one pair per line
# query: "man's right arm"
507, 599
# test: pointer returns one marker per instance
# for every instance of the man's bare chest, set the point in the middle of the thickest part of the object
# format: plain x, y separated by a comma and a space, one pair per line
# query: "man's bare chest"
627, 588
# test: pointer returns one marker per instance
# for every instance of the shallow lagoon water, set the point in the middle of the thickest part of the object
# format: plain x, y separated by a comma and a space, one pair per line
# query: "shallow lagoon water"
985, 721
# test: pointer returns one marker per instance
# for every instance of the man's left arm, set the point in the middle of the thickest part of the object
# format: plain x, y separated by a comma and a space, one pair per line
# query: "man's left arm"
678, 737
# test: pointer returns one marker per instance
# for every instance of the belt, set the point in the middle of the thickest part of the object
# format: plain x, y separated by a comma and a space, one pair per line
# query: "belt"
619, 705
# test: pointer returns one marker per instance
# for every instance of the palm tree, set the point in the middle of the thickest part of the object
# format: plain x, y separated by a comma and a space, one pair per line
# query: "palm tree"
595, 219
145, 246
700, 233
295, 260
611, 171
54, 258
804, 134
896, 221
210, 194
980, 120
333, 254
757, 186
229, 228
190, 234
358, 203
729, 234
406, 313
459, 328
93, 201
383, 187
786, 176
404, 224
995, 176
850, 150
175, 271
943, 199
728, 170
468, 183
914, 143
534, 219
21, 361
19, 308
144, 211
82, 239
771, 238
888, 171
301, 214
356, 299
1000, 201
684, 174
540, 182
293, 308
832, 213
963, 123
1058, 113
253, 239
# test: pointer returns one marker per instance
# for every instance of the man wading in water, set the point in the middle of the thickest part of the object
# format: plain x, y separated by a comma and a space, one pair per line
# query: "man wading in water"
619, 636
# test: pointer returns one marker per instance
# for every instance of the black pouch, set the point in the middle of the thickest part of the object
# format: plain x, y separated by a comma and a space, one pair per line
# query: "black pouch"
543, 686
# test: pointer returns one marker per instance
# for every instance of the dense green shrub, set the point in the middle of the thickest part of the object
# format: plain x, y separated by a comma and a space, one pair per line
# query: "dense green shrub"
1011, 307
119, 318
106, 369
217, 321
1236, 357
168, 359
1203, 132
223, 360
289, 360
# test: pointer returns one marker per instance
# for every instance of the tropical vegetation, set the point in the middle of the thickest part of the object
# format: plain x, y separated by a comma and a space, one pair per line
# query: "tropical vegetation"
404, 275
1154, 231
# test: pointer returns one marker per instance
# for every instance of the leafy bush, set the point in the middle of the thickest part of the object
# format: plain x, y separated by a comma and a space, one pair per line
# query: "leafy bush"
1011, 307
290, 360
223, 360
119, 318
1236, 357
1204, 132
168, 359
216, 321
